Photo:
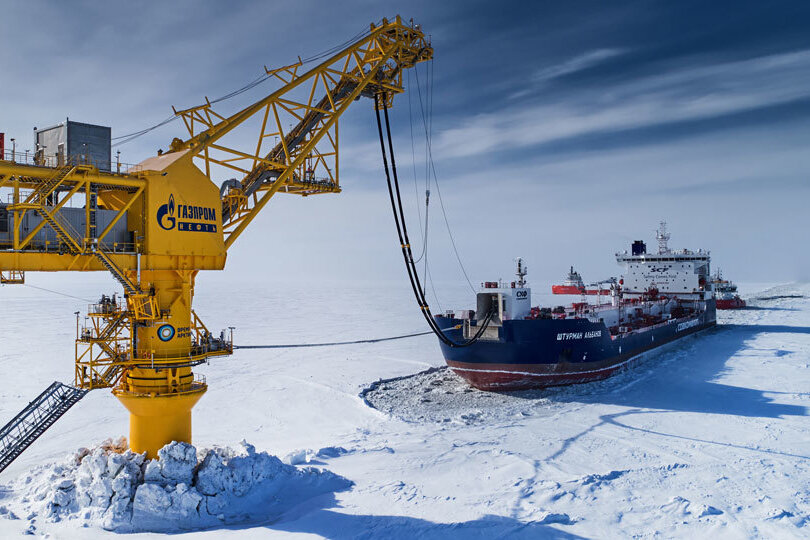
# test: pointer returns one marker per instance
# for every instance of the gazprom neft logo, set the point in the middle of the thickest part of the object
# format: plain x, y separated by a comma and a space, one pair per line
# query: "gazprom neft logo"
165, 214
200, 218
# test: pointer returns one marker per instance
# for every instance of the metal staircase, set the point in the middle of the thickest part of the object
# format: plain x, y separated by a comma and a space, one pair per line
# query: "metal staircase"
74, 246
35, 419
40, 194
117, 273
72, 240
61, 231
111, 375
37, 201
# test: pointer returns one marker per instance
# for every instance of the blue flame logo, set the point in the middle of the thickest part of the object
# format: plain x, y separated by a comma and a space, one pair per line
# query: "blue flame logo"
165, 215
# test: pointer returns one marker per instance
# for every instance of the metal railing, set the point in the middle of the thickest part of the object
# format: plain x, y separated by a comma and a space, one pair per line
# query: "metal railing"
116, 247
197, 351
53, 161
67, 228
123, 248
105, 308
197, 383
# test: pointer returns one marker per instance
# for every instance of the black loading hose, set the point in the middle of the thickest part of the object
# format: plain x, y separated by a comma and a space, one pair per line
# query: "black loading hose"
404, 241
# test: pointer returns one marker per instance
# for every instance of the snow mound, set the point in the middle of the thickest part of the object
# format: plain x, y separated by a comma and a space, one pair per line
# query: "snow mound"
184, 489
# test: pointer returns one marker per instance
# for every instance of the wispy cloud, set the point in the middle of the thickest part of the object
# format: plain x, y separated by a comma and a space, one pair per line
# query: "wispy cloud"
578, 63
572, 65
686, 95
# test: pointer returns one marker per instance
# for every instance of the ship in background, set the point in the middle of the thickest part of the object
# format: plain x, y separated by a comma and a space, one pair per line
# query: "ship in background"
726, 293
660, 298
573, 284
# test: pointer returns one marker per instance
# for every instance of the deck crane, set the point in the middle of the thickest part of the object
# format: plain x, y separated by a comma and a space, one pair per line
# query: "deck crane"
181, 223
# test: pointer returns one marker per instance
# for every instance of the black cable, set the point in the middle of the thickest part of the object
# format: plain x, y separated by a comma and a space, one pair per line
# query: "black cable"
428, 123
132, 136
408, 260
124, 139
402, 214
419, 295
407, 253
402, 233
59, 293
298, 345
422, 231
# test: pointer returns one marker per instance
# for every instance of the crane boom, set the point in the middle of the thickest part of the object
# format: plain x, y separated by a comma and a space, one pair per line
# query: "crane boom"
371, 65
177, 221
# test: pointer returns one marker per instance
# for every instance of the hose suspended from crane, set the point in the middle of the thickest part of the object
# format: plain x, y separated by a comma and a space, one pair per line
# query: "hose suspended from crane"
178, 222
402, 232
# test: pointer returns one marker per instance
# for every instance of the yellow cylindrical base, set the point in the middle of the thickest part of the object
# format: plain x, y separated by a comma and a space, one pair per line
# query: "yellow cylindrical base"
155, 421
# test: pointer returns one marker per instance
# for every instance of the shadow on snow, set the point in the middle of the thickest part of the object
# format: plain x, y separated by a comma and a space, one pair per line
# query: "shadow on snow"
683, 379
337, 525
673, 380
318, 516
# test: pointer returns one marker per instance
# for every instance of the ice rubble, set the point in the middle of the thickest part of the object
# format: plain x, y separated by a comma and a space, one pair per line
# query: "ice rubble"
184, 489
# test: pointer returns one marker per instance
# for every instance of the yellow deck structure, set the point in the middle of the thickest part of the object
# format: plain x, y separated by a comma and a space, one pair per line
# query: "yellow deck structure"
145, 346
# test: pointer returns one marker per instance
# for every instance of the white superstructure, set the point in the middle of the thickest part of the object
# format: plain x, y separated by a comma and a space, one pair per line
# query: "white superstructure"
681, 273
656, 289
508, 301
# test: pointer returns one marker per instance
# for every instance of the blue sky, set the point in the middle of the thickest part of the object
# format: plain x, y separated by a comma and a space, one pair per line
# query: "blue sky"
561, 131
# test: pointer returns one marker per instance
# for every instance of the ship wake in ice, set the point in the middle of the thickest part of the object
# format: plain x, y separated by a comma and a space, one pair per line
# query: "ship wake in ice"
437, 395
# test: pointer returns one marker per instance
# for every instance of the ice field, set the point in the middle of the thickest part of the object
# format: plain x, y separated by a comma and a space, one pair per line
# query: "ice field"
706, 438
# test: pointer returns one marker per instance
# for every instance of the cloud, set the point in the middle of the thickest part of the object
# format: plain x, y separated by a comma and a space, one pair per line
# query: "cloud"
578, 63
573, 65
686, 95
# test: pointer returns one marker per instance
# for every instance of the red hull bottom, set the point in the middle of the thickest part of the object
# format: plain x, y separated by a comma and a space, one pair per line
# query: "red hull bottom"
516, 378
735, 303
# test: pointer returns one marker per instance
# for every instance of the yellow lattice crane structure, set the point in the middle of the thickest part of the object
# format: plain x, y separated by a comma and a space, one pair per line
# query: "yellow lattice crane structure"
181, 222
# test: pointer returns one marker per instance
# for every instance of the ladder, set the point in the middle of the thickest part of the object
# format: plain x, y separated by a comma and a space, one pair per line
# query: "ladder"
71, 239
111, 375
35, 419
40, 194
60, 230
117, 273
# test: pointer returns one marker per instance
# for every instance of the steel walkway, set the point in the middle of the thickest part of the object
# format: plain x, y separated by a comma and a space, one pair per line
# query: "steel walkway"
35, 419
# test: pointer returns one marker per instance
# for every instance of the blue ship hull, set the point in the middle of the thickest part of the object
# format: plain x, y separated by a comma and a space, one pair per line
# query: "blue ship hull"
534, 353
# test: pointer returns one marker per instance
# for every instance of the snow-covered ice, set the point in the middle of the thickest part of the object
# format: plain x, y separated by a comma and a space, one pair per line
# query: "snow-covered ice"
185, 489
707, 438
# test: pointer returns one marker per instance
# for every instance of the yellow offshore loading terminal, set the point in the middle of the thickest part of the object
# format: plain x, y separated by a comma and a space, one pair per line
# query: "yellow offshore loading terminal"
180, 222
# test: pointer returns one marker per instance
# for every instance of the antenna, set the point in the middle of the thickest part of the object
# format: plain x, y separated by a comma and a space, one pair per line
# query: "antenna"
663, 237
521, 272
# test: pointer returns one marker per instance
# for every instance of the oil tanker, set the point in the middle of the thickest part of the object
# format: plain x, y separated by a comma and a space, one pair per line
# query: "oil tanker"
660, 298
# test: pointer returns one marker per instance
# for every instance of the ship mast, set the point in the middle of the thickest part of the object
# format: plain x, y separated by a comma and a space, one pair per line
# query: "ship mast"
521, 272
663, 237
